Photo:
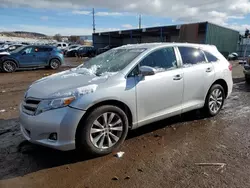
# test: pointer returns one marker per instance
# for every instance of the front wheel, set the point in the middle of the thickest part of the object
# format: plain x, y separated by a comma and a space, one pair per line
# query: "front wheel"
215, 100
54, 64
104, 130
9, 66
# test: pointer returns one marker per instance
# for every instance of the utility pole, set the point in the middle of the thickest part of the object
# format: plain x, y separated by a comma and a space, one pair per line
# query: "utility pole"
140, 21
93, 20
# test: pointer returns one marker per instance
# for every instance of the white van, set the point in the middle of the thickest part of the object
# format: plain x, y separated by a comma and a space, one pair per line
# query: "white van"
61, 45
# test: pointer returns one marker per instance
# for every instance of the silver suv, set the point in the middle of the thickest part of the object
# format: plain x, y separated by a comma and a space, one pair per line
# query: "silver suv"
93, 106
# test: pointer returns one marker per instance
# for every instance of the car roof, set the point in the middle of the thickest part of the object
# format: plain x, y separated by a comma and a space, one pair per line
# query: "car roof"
156, 45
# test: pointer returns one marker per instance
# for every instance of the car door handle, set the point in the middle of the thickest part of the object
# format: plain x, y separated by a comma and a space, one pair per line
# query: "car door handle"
209, 69
177, 77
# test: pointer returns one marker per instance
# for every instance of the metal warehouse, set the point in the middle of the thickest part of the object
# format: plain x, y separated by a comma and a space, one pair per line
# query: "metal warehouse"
204, 33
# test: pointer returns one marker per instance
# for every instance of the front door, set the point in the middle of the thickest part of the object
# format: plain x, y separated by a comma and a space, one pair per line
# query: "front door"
160, 95
27, 57
198, 77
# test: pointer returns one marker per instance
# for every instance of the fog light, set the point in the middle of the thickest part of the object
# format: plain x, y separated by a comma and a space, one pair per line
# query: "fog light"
53, 136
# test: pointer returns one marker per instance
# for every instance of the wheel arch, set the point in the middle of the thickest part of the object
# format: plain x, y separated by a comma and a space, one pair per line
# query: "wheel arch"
10, 59
223, 83
116, 103
57, 58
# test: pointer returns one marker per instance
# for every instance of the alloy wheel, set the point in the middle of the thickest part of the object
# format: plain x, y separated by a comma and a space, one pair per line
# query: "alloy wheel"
215, 101
106, 130
54, 64
9, 66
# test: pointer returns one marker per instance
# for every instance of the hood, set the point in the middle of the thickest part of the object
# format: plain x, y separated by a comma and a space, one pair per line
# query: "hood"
63, 82
4, 53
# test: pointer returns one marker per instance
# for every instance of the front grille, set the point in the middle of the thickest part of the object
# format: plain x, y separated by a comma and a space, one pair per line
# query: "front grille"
30, 105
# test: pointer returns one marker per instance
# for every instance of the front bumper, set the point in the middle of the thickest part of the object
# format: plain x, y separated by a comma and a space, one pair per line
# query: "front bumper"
63, 121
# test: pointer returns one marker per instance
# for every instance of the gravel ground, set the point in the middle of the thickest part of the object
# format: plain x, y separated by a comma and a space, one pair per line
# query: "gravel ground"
163, 154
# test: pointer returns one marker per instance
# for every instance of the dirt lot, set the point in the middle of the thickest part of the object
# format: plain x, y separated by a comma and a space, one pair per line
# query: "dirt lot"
163, 154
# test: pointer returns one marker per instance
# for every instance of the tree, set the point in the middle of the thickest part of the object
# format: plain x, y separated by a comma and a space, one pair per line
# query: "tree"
246, 33
58, 37
74, 38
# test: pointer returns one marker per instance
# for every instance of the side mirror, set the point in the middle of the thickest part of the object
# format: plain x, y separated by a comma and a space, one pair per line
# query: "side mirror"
147, 71
24, 52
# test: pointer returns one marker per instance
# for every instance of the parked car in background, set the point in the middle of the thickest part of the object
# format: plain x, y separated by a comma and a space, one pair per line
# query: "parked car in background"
72, 52
61, 45
86, 51
30, 57
246, 70
233, 56
69, 48
106, 48
123, 89
11, 48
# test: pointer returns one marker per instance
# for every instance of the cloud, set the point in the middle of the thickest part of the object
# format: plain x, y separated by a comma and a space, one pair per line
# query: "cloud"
220, 12
127, 26
82, 12
108, 14
44, 18
55, 30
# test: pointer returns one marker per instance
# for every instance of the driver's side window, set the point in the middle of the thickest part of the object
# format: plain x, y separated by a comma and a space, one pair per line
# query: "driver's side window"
162, 59
28, 50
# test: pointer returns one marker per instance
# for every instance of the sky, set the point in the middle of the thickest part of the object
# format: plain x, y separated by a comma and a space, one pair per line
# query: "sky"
74, 17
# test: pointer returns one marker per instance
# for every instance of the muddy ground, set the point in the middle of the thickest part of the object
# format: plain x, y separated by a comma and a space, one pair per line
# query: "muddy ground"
163, 154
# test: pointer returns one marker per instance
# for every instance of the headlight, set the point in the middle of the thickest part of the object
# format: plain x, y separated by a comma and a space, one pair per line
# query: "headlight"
46, 105
63, 99
76, 92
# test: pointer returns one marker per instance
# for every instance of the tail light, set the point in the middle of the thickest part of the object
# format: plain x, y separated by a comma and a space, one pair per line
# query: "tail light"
230, 67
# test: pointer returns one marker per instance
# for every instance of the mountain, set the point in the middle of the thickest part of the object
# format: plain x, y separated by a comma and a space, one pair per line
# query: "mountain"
23, 34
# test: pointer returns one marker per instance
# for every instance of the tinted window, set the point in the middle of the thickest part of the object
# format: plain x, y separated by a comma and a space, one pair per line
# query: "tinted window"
43, 49
64, 45
161, 59
59, 45
210, 57
191, 56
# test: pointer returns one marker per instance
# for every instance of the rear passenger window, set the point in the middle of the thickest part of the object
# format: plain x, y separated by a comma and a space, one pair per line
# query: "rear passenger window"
43, 49
210, 57
191, 56
162, 59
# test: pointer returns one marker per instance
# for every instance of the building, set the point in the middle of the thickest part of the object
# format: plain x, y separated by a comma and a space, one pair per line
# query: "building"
204, 33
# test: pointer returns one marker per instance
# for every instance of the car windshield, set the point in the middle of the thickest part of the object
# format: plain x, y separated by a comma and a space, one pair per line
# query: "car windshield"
18, 49
111, 61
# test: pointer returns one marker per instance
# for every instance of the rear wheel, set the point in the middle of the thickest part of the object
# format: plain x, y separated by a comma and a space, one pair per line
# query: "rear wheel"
104, 130
215, 100
54, 64
9, 66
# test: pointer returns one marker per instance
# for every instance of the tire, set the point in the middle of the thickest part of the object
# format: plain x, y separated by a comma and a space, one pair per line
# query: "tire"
247, 80
9, 66
214, 100
89, 143
54, 64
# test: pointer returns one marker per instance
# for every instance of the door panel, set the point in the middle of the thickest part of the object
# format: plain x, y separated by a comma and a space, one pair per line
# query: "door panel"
159, 96
198, 76
27, 59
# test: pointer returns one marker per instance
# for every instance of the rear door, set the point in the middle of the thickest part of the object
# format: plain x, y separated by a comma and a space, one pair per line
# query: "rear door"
42, 55
198, 76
